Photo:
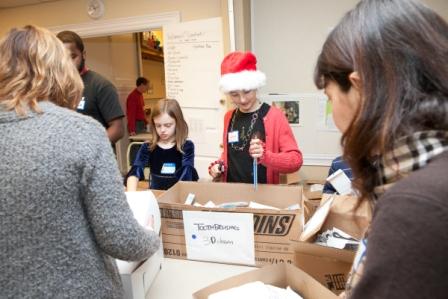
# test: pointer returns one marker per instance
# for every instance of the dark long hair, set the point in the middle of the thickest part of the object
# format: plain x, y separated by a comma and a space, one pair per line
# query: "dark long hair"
400, 50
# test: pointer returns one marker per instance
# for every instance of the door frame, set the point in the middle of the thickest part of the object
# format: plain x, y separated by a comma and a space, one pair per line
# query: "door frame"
120, 26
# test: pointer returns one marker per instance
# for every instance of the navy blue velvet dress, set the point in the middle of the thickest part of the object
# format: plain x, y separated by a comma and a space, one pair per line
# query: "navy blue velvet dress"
167, 166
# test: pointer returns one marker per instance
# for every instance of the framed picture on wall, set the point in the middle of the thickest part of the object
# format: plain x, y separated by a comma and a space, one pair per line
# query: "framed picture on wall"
291, 109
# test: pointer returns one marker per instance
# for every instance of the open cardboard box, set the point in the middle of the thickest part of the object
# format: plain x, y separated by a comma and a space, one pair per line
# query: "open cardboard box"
330, 266
137, 277
290, 178
310, 194
275, 231
280, 275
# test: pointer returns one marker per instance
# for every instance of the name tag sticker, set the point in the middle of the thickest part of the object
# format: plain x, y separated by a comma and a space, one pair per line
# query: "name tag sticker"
168, 168
233, 137
82, 104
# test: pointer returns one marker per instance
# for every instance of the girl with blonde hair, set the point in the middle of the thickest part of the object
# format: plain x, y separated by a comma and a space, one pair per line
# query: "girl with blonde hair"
169, 155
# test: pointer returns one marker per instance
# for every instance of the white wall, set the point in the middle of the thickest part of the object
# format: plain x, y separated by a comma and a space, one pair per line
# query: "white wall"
287, 38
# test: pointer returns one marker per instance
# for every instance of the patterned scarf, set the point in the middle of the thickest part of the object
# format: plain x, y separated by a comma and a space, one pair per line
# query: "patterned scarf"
409, 154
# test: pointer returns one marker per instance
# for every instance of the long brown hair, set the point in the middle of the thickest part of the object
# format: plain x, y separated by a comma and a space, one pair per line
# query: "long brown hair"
400, 50
35, 66
172, 108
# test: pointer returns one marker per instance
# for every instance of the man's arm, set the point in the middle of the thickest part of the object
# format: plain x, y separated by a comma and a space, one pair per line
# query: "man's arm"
115, 130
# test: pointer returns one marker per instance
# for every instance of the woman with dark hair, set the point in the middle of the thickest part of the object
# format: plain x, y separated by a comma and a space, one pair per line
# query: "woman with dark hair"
385, 69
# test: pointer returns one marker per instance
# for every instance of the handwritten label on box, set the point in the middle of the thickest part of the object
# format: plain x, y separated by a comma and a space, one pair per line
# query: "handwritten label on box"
220, 237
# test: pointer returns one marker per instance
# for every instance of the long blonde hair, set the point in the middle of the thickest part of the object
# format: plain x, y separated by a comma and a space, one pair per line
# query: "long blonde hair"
172, 108
35, 66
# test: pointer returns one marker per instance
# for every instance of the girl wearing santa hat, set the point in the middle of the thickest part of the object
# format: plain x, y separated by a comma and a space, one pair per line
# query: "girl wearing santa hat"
253, 130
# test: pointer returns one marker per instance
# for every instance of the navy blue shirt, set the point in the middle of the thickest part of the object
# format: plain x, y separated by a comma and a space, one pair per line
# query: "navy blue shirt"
180, 166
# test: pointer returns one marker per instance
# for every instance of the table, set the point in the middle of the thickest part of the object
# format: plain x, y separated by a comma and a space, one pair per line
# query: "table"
179, 279
140, 137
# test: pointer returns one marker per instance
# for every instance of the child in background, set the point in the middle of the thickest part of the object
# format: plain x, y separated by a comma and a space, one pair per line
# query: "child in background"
253, 130
336, 164
170, 156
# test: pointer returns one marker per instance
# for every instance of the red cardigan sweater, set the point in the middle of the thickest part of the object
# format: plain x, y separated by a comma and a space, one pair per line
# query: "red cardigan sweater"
281, 152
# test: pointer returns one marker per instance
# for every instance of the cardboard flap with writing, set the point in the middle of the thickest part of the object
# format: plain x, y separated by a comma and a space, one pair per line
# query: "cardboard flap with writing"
280, 275
329, 266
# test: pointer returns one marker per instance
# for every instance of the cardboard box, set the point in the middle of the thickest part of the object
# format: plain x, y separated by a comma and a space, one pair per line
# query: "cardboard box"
290, 178
138, 277
281, 275
275, 231
343, 215
331, 266
312, 195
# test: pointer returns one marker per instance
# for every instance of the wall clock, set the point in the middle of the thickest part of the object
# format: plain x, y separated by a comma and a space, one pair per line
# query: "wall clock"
95, 8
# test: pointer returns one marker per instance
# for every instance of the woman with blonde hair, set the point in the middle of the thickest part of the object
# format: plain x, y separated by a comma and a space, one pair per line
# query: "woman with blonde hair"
63, 211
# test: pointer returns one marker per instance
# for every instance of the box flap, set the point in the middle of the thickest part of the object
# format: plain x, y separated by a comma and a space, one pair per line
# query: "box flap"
329, 266
316, 221
273, 195
324, 251
280, 275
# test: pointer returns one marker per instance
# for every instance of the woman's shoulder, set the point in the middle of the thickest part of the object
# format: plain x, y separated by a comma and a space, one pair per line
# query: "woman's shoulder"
425, 183
72, 121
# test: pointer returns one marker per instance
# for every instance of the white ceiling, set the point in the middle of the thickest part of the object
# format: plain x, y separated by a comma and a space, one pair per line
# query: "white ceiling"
16, 3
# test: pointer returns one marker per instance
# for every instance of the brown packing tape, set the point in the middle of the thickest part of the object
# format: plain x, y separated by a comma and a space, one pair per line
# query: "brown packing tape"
281, 275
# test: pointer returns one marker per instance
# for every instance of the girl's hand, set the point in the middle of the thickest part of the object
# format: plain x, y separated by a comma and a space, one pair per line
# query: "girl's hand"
216, 170
256, 148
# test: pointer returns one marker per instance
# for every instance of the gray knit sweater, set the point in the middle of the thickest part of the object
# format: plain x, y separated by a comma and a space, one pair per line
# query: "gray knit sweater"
63, 211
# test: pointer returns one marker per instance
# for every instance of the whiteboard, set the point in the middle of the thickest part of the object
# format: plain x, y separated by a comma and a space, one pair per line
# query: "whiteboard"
193, 54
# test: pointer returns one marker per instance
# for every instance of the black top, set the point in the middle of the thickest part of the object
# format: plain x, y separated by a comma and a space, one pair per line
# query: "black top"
240, 163
407, 244
100, 99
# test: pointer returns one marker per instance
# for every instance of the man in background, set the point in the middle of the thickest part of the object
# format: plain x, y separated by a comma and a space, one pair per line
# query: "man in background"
135, 107
100, 98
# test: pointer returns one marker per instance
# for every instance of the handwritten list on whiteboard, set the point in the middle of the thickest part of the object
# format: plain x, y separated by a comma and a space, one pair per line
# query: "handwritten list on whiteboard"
193, 52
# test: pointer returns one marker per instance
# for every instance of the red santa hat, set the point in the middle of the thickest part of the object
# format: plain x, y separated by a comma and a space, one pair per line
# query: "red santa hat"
239, 72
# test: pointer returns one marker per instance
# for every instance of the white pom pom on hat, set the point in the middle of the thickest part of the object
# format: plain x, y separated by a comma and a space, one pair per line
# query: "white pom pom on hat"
239, 72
